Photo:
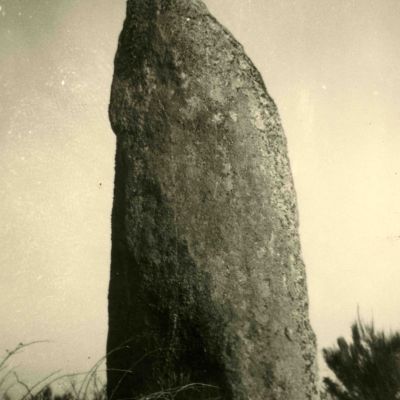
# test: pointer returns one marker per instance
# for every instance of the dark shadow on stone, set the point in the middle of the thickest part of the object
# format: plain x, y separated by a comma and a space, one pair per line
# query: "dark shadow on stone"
166, 299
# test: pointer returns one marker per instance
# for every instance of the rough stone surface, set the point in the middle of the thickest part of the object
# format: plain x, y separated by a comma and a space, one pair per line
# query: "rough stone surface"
207, 281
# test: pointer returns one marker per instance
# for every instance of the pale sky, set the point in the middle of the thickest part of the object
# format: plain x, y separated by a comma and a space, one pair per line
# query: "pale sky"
332, 68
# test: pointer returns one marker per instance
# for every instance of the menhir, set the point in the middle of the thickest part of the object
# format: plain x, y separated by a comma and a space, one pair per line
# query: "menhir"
208, 295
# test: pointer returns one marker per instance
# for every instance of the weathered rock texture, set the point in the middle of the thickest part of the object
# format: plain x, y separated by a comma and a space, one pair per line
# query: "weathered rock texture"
207, 282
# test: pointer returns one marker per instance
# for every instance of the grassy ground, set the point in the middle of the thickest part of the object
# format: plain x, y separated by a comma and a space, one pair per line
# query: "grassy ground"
89, 385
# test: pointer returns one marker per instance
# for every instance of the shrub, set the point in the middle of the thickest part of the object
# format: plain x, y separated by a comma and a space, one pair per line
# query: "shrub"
366, 368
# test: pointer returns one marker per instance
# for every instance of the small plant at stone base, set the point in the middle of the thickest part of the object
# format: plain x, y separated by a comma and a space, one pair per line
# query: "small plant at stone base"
84, 386
366, 368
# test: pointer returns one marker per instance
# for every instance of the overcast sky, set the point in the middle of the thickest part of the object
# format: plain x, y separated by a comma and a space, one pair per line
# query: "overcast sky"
332, 68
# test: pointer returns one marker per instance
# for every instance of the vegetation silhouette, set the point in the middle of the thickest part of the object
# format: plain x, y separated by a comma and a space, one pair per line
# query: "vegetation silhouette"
367, 367
89, 385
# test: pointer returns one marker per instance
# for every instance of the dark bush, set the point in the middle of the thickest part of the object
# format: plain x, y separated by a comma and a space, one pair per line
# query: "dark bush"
366, 368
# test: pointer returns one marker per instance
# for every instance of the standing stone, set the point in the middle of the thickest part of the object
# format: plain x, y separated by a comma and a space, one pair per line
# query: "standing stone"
208, 295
